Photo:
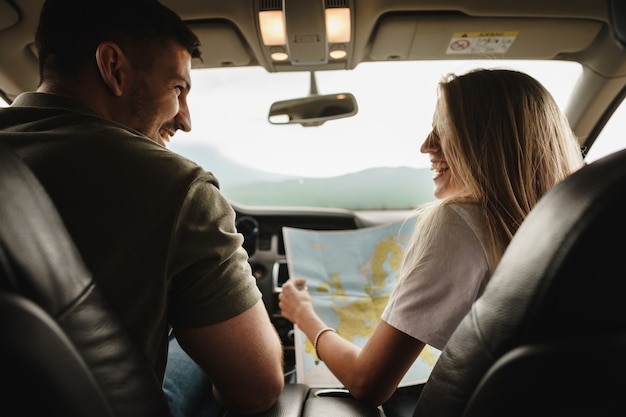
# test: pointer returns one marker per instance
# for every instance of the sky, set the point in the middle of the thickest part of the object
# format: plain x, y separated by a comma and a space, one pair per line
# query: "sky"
396, 102
229, 113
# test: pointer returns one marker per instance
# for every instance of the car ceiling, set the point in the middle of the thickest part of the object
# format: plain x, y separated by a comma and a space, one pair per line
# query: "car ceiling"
382, 30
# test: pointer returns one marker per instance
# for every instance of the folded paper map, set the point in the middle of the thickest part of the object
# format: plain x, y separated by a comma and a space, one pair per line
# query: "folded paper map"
350, 275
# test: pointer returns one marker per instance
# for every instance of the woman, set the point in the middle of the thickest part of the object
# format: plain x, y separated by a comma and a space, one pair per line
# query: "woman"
499, 142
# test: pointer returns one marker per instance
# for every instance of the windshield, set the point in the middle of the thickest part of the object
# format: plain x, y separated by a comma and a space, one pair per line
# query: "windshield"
370, 161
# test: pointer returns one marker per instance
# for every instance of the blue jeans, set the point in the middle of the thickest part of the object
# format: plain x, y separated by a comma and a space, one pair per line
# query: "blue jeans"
187, 387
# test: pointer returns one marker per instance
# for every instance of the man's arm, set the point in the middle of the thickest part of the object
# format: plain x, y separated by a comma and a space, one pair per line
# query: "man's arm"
242, 356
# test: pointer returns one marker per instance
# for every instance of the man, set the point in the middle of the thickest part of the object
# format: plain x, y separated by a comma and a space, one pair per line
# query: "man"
152, 226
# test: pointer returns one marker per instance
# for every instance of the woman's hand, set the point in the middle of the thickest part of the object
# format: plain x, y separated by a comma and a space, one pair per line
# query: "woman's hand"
295, 302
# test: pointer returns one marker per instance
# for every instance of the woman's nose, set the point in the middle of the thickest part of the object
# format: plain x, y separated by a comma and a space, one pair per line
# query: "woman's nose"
431, 144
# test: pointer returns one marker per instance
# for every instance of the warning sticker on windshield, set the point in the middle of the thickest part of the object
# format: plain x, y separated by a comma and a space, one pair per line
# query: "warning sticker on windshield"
481, 42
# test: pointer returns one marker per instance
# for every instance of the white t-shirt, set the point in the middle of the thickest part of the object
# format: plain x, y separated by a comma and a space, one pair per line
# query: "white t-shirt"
431, 299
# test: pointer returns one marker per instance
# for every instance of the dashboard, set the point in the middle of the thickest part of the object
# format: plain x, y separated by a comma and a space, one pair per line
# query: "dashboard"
262, 229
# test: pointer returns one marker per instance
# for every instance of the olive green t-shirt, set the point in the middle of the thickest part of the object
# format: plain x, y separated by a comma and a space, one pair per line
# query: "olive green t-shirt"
152, 226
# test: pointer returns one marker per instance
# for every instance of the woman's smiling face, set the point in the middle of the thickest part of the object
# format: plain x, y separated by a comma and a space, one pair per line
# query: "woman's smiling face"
446, 184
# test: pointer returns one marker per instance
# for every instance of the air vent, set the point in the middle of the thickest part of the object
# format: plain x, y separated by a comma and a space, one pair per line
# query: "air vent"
336, 3
271, 5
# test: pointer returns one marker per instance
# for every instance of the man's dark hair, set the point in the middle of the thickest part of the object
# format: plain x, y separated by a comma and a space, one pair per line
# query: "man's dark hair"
69, 32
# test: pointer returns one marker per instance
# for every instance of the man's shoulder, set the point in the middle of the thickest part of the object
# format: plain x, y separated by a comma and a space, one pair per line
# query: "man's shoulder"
137, 152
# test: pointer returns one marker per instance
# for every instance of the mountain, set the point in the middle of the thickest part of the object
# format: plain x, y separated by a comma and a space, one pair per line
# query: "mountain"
370, 189
228, 172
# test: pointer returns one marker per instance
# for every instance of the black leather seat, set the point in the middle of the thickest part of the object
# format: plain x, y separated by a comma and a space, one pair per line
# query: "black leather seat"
63, 351
548, 336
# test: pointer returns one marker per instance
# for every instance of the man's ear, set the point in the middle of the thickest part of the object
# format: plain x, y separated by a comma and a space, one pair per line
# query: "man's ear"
112, 63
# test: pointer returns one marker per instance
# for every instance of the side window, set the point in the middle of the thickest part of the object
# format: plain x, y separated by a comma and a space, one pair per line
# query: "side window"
613, 136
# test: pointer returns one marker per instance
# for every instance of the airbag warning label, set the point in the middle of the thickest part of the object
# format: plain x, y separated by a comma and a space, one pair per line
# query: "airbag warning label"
481, 42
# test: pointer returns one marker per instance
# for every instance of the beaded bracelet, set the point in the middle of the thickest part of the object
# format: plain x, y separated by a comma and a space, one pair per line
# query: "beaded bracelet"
317, 338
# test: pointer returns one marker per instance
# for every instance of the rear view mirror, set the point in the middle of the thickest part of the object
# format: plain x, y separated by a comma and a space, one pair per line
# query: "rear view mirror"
313, 110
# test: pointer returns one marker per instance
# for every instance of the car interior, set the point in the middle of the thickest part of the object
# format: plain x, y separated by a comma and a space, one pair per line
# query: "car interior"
546, 338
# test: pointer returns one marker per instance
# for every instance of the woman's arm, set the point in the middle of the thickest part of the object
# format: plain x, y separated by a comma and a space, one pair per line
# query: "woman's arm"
372, 373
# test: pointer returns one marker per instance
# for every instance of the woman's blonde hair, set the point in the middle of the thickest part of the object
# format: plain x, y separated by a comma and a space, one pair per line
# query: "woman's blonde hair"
507, 142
